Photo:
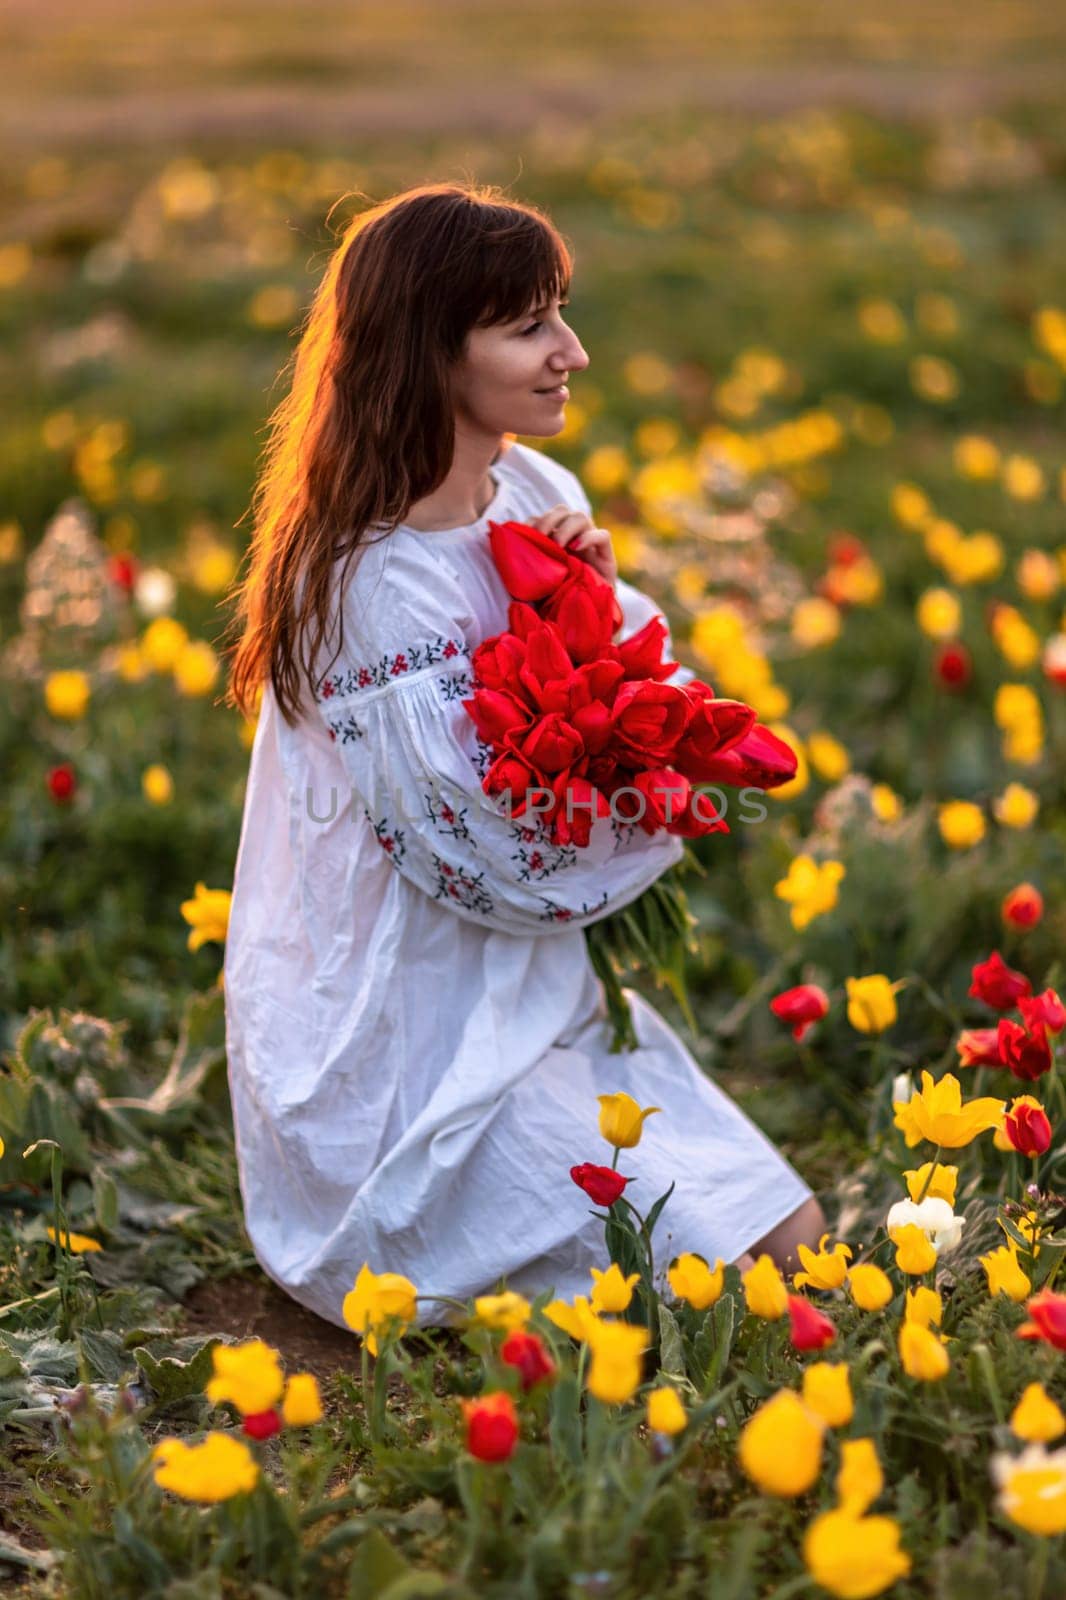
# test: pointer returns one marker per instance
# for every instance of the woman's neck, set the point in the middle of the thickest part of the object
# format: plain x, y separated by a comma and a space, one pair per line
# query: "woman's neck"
462, 498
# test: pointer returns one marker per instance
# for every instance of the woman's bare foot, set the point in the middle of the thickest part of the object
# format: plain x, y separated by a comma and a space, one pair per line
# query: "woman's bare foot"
804, 1226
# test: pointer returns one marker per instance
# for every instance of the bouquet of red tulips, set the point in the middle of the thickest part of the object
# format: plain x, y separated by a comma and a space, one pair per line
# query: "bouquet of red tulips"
590, 728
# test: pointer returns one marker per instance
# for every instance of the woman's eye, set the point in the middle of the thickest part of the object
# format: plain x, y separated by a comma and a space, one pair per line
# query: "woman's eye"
530, 329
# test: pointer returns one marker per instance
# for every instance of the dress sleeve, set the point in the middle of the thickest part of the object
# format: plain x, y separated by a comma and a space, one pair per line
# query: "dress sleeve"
415, 761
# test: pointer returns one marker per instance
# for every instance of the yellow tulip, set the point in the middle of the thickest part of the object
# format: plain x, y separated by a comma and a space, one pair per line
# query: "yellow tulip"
780, 1445
610, 1291
666, 1413
216, 1469
961, 824
941, 1186
827, 1390
810, 888
915, 1252
622, 1119
162, 643
854, 1557
871, 1003
693, 1281
157, 785
1036, 1418
815, 622
1016, 807
911, 506
248, 1375
1004, 1273
577, 1320
616, 1370
823, 1269
508, 1310
939, 614
937, 1113
860, 1479
886, 803
923, 1306
208, 914
871, 1289
1032, 1489
66, 695
377, 1301
828, 757
196, 668
922, 1353
78, 1244
976, 456
765, 1290
302, 1402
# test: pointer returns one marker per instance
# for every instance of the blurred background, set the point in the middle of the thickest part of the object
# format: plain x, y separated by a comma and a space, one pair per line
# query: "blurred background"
819, 276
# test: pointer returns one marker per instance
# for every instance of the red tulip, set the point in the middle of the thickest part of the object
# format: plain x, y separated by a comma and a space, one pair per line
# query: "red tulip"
802, 1007
496, 661
526, 1352
496, 713
998, 985
979, 1047
1023, 907
648, 720
262, 1424
641, 654
655, 798
122, 570
603, 1185
699, 817
583, 609
531, 564
491, 1426
1028, 1127
551, 745
845, 549
513, 780
715, 726
760, 760
1044, 1010
1047, 1319
62, 782
1026, 1052
810, 1330
579, 803
953, 665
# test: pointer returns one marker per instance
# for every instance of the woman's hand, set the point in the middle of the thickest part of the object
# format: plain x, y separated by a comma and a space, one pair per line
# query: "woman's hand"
575, 531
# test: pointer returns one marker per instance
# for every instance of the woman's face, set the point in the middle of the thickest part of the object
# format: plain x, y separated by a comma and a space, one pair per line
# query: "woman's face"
500, 378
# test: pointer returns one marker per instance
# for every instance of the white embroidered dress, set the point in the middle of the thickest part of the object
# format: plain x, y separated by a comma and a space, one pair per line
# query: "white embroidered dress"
415, 1035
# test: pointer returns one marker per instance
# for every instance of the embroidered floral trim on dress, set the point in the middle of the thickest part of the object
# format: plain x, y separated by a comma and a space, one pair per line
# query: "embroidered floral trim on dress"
377, 674
454, 883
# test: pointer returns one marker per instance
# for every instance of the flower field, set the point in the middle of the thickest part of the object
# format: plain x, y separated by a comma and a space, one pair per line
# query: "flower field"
824, 423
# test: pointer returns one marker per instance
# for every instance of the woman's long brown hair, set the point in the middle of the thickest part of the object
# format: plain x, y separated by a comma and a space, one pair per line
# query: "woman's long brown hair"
367, 427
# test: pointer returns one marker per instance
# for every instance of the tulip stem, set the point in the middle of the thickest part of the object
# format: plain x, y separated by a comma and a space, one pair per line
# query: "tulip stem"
646, 1236
595, 1437
1040, 1566
930, 1175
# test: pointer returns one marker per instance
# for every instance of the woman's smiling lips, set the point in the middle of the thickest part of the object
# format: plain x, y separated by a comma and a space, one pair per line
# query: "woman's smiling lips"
560, 392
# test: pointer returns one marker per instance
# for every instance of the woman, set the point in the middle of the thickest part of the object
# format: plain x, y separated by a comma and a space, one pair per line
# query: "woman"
416, 1036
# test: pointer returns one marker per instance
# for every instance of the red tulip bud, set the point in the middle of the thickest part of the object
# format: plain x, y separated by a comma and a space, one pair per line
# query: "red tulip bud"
62, 782
1028, 1127
491, 1426
262, 1424
810, 1330
603, 1185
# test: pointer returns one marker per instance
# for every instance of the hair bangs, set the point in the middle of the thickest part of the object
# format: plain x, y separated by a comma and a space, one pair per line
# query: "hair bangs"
525, 265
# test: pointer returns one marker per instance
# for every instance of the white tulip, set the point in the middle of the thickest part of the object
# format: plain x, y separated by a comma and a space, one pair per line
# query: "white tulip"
935, 1218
